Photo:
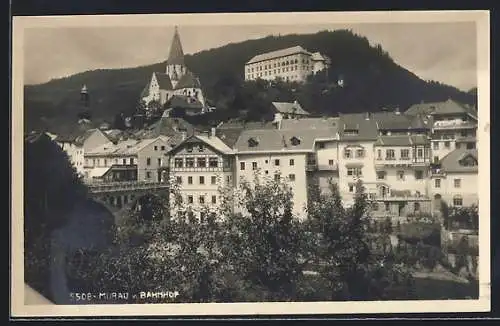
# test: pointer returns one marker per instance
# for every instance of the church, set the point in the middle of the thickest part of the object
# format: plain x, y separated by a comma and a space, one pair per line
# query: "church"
177, 87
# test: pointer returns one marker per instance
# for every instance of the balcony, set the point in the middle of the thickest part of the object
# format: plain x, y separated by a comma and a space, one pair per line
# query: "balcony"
125, 186
453, 124
393, 162
328, 167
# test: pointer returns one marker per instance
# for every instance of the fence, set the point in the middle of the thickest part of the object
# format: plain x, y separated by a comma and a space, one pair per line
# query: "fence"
125, 186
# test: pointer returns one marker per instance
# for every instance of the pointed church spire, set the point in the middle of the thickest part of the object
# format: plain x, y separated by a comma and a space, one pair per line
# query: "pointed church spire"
176, 56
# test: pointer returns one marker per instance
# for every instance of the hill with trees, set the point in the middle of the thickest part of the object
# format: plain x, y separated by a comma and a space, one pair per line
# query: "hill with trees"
372, 80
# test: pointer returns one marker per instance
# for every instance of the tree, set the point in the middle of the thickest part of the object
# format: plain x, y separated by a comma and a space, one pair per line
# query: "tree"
352, 270
273, 262
52, 189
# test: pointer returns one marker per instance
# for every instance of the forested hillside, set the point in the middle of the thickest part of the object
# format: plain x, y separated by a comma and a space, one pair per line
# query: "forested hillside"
371, 80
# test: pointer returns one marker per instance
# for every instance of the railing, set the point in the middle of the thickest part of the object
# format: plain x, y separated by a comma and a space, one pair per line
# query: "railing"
453, 124
125, 186
328, 167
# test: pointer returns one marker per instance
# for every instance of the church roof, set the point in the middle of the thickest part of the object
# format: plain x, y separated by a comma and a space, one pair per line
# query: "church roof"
176, 56
188, 80
184, 102
163, 81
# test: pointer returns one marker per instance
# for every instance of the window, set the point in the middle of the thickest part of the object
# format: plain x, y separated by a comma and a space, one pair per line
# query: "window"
351, 187
202, 162
347, 153
156, 148
213, 162
401, 175
276, 177
291, 177
277, 162
178, 162
331, 162
437, 183
321, 145
228, 179
436, 159
148, 175
360, 153
457, 145
405, 154
254, 166
178, 180
435, 145
354, 172
390, 155
202, 180
447, 144
292, 162
457, 183
163, 148
214, 199
190, 162
242, 166
159, 161
190, 199
419, 175
387, 206
148, 161
266, 161
201, 200
295, 141
457, 200
379, 154
381, 175
124, 161
189, 148
420, 153
131, 161
470, 146
105, 162
416, 207
190, 180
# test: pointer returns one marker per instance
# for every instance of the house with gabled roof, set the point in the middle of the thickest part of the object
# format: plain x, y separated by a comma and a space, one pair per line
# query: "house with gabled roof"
455, 180
127, 160
454, 125
199, 167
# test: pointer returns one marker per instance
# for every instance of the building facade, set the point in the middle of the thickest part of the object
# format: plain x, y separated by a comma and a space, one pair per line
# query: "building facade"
201, 167
290, 64
128, 160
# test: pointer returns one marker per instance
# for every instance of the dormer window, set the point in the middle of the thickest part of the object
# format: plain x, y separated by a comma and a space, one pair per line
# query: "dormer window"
253, 142
189, 148
295, 141
468, 161
351, 132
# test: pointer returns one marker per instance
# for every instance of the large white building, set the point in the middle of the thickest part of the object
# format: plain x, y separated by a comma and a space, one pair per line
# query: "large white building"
290, 64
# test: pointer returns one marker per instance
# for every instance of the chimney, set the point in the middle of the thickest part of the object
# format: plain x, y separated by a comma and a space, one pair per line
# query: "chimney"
396, 111
183, 135
212, 132
367, 116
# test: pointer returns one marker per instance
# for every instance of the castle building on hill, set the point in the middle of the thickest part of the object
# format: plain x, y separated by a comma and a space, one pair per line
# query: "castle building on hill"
176, 82
291, 64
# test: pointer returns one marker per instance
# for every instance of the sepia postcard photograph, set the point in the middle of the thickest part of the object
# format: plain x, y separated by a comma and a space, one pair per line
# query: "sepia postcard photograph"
254, 163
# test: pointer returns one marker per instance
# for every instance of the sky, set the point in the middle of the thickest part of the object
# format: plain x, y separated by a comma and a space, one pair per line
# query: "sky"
444, 52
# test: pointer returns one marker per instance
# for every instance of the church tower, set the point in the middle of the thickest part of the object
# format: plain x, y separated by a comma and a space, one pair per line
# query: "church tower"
84, 105
84, 97
175, 63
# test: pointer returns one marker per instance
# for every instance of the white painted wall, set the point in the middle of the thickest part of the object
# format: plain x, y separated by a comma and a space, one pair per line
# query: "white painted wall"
468, 187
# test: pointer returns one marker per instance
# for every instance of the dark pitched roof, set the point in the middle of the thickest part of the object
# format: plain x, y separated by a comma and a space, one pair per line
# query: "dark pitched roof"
280, 140
365, 129
167, 126
145, 90
453, 162
184, 102
446, 107
311, 123
402, 140
188, 80
391, 121
421, 122
289, 108
73, 132
163, 81
176, 55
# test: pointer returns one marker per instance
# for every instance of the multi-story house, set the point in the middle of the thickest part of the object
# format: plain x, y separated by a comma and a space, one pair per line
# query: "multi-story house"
78, 141
128, 160
282, 155
456, 180
290, 64
454, 126
201, 167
